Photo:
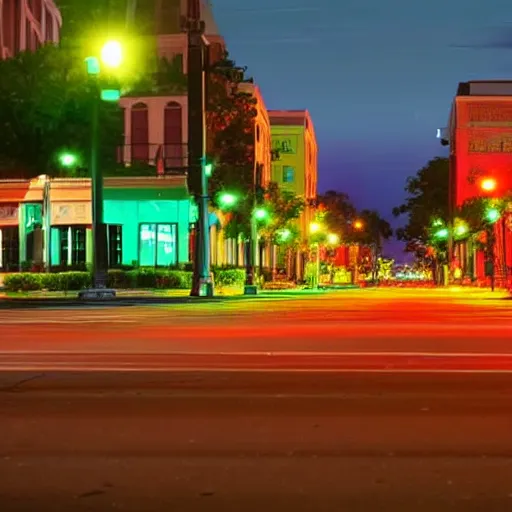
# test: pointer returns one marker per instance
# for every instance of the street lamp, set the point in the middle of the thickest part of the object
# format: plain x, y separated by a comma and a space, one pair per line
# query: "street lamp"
488, 184
227, 200
68, 160
358, 225
316, 228
111, 55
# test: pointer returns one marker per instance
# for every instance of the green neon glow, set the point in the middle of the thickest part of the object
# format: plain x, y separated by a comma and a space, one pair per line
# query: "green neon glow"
110, 95
93, 65
441, 234
260, 214
227, 200
68, 159
492, 215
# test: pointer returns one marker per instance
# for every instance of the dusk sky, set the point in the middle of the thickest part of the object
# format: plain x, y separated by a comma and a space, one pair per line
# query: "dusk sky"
378, 76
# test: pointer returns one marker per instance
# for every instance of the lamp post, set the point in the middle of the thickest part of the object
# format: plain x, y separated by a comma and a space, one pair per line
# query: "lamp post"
111, 57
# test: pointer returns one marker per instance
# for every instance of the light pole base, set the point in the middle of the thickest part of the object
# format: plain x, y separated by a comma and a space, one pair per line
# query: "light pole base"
250, 289
97, 294
205, 288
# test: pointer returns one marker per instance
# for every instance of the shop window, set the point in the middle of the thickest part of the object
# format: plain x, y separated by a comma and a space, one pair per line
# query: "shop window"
288, 174
158, 245
9, 249
72, 246
115, 245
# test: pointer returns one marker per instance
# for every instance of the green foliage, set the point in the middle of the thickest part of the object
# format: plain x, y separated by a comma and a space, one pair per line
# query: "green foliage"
337, 213
45, 104
427, 199
284, 209
118, 279
375, 230
228, 276
230, 124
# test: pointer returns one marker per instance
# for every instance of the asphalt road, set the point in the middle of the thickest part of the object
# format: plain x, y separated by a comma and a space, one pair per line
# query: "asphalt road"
397, 330
358, 400
221, 441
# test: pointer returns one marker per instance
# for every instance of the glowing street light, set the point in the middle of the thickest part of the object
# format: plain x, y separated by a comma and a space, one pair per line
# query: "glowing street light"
315, 227
333, 239
112, 54
488, 184
68, 159
492, 215
358, 225
461, 230
227, 200
260, 214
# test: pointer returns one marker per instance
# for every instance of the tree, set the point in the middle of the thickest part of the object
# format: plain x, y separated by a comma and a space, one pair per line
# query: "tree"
284, 209
338, 212
230, 120
45, 103
426, 202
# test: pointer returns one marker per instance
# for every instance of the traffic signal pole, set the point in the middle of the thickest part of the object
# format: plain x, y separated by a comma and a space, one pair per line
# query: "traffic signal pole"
202, 285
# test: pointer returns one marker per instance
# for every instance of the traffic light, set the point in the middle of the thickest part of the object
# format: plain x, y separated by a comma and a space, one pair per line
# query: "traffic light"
111, 95
208, 169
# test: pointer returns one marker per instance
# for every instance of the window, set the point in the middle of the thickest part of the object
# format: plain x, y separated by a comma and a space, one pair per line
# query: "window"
9, 249
72, 245
115, 245
158, 245
288, 174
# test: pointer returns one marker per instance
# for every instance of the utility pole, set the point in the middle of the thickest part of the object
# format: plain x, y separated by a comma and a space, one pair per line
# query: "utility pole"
202, 285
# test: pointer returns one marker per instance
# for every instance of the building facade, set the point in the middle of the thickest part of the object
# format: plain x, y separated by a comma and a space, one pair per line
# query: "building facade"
48, 222
295, 165
27, 24
480, 139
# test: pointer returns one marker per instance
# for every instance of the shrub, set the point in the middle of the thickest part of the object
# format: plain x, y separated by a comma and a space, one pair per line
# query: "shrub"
119, 279
229, 277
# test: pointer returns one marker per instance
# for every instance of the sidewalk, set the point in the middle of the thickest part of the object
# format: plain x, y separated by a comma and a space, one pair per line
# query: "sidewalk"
141, 297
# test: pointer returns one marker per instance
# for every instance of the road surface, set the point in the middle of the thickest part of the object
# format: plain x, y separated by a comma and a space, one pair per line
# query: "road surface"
353, 330
244, 441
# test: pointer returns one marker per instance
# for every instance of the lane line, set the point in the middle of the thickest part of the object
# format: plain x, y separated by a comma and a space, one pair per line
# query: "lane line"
298, 354
114, 369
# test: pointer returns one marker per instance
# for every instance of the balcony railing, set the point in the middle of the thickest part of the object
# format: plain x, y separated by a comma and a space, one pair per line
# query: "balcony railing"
169, 157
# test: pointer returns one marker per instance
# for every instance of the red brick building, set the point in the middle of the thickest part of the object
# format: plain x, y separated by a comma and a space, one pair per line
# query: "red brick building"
480, 139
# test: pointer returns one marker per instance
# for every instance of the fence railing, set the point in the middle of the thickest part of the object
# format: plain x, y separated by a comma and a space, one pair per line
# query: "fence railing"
170, 157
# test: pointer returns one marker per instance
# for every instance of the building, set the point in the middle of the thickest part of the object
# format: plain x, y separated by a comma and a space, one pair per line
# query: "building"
48, 222
295, 167
479, 134
27, 24
233, 252
157, 125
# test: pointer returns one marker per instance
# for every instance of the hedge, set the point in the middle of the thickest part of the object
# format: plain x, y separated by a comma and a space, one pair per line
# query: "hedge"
118, 279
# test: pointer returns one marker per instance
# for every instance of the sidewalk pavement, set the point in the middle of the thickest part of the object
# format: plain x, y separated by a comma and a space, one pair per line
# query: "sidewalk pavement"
10, 300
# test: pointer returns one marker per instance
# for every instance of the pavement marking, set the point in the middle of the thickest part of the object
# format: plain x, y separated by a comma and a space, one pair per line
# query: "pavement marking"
115, 369
253, 353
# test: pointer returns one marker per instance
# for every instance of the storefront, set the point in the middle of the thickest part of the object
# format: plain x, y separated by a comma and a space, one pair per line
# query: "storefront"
21, 224
148, 222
